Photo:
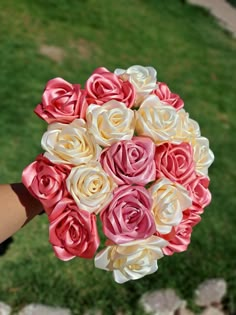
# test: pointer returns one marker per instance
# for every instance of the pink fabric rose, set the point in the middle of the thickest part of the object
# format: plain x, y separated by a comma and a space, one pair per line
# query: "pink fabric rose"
180, 236
175, 161
193, 215
46, 181
104, 86
130, 161
128, 217
62, 102
167, 97
72, 232
199, 191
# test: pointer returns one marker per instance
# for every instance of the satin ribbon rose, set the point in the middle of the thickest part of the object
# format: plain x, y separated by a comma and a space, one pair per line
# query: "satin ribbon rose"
142, 78
169, 202
62, 102
130, 161
131, 261
167, 97
72, 231
193, 214
90, 187
156, 120
110, 123
46, 181
104, 86
187, 128
175, 162
70, 144
202, 154
128, 217
180, 236
199, 192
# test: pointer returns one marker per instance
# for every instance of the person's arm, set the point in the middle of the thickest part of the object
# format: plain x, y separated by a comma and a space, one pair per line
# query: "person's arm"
17, 207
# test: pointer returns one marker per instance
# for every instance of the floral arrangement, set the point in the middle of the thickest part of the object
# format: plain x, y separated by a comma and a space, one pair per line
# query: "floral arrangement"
122, 150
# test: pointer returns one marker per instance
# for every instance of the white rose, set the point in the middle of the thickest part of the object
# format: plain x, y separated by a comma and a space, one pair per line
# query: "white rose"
90, 187
142, 78
202, 155
169, 202
132, 260
70, 143
110, 123
187, 128
156, 120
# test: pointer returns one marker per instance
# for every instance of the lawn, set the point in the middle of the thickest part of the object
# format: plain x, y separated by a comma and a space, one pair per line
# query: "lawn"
197, 60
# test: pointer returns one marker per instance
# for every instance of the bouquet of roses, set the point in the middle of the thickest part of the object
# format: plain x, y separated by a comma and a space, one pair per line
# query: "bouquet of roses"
122, 150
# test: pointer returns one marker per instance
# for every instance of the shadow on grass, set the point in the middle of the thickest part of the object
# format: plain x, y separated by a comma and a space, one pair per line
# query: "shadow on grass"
5, 245
232, 2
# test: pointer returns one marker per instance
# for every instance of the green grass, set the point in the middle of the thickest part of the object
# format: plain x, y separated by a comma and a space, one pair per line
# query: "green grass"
197, 60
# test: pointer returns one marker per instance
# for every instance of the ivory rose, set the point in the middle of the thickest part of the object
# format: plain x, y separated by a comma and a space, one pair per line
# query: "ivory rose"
130, 161
104, 86
175, 161
202, 155
187, 128
142, 78
62, 102
110, 123
90, 187
167, 97
46, 181
131, 261
70, 144
72, 231
128, 217
155, 120
169, 202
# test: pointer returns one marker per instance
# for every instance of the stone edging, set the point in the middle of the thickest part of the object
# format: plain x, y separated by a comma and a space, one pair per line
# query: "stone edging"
222, 10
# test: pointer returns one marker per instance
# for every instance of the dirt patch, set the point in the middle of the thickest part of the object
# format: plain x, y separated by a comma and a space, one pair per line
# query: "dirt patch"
85, 48
52, 52
224, 119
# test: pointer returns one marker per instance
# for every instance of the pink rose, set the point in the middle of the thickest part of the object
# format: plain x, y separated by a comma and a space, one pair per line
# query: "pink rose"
199, 191
62, 102
175, 161
128, 217
193, 215
72, 232
180, 236
167, 97
46, 181
130, 161
104, 86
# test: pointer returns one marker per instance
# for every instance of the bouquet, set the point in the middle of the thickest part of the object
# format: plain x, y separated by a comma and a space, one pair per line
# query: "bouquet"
121, 150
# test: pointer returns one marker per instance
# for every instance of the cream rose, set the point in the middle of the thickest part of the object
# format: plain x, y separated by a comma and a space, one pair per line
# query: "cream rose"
70, 143
202, 155
169, 201
156, 120
187, 128
110, 123
132, 260
142, 78
90, 187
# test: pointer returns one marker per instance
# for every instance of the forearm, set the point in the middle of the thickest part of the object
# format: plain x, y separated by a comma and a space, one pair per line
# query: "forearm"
17, 207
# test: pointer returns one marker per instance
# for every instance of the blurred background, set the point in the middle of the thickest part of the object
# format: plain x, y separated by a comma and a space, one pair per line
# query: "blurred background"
43, 39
